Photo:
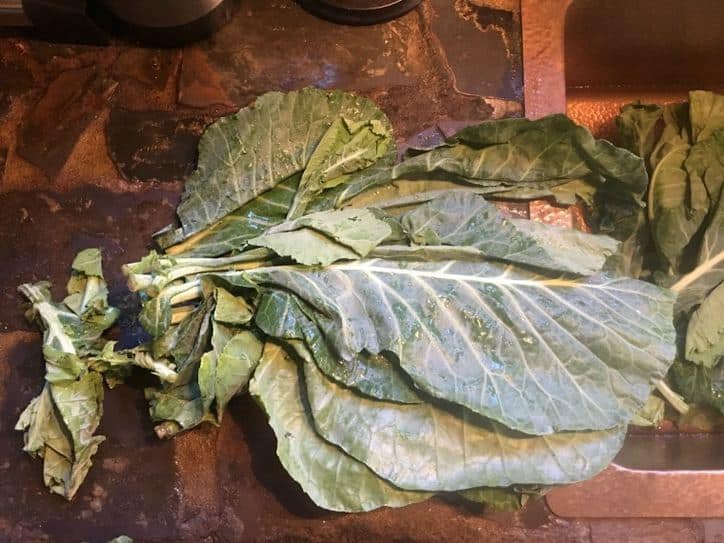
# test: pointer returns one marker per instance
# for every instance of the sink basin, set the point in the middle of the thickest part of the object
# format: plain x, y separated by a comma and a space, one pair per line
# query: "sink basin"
587, 58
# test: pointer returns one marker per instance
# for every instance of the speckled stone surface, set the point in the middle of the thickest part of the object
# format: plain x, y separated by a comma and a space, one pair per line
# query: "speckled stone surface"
94, 146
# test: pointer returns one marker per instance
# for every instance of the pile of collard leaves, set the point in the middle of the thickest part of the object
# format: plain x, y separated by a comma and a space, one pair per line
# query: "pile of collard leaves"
680, 237
403, 336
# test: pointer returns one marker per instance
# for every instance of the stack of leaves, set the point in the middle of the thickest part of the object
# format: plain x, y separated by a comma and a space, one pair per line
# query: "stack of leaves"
683, 146
403, 336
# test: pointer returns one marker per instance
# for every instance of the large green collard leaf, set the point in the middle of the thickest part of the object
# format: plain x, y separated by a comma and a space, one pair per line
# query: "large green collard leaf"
280, 316
326, 236
331, 478
246, 154
539, 353
705, 333
520, 151
436, 449
467, 220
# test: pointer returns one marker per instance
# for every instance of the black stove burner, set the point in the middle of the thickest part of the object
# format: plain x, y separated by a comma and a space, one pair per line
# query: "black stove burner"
359, 12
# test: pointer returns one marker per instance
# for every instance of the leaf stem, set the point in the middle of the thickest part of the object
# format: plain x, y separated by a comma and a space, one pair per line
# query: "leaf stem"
676, 401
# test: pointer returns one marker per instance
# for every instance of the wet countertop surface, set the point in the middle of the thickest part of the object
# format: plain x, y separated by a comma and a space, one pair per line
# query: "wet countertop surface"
94, 145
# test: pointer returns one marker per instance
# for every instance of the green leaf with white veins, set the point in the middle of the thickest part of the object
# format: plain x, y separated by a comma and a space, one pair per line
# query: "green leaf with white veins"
705, 333
246, 154
71, 329
326, 236
467, 220
346, 147
519, 152
439, 449
232, 232
539, 353
331, 478
280, 316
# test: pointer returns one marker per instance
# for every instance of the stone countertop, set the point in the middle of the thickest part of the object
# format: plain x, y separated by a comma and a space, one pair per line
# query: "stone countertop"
94, 145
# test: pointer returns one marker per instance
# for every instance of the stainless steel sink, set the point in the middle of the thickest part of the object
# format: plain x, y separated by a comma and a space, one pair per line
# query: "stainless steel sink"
587, 58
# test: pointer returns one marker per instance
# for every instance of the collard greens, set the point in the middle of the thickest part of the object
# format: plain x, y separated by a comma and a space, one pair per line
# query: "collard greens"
683, 145
403, 336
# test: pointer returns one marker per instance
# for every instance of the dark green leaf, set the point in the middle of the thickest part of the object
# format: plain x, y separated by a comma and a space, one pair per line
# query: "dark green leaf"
706, 114
519, 151
637, 126
232, 232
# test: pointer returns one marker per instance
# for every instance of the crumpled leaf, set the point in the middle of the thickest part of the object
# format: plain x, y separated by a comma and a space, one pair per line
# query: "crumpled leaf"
706, 112
503, 500
637, 125
705, 166
115, 365
539, 353
59, 426
177, 408
439, 449
231, 309
331, 478
467, 220
69, 330
326, 236
677, 207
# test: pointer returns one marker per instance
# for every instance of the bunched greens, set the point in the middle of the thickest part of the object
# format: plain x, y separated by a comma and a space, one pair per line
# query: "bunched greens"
683, 146
402, 334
